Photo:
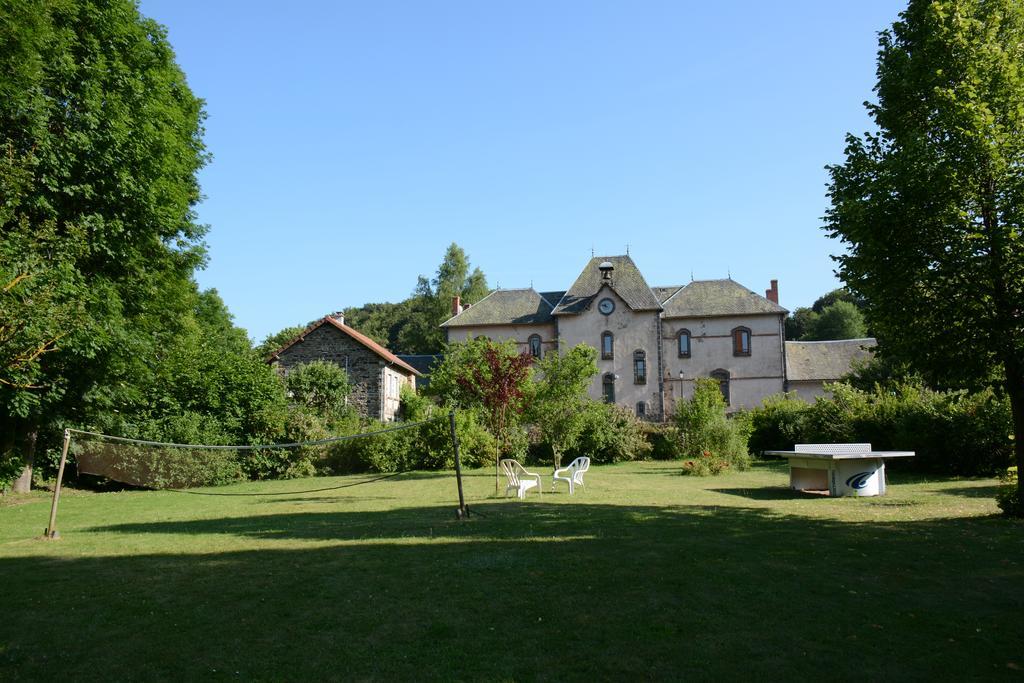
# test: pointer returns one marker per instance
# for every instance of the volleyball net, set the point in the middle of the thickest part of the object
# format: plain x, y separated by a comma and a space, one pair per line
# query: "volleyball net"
162, 465
175, 466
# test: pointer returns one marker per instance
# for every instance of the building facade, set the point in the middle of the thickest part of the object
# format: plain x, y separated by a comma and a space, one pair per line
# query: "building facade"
652, 342
810, 364
376, 376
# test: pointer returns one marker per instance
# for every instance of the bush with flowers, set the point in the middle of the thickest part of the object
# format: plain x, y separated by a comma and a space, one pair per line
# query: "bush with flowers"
711, 442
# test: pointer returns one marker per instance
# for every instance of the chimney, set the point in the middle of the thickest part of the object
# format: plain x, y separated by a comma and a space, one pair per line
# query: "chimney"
456, 305
773, 293
339, 317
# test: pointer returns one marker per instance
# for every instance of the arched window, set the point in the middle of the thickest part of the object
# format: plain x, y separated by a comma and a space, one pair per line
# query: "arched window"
723, 383
684, 343
741, 341
639, 367
641, 409
608, 387
607, 346
534, 341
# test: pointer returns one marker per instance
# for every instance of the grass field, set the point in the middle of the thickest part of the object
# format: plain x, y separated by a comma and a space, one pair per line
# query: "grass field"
645, 574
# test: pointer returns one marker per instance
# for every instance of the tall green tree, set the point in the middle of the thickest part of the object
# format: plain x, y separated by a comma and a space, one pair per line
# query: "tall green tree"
412, 326
101, 139
841, 320
930, 206
800, 322
559, 401
276, 340
840, 294
844, 322
382, 322
432, 300
205, 386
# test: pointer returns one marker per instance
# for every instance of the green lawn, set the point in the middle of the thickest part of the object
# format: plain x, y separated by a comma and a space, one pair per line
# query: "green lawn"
645, 574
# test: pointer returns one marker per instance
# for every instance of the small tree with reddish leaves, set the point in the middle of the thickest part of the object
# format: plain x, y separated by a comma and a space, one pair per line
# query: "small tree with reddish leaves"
492, 376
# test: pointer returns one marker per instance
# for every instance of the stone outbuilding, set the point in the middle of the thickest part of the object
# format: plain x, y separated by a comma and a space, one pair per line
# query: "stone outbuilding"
375, 374
810, 364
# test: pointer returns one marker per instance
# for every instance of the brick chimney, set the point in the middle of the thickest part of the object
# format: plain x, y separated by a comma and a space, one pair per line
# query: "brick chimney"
773, 293
456, 305
339, 317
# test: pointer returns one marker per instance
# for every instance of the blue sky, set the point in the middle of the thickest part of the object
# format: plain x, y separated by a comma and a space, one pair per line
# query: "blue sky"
353, 142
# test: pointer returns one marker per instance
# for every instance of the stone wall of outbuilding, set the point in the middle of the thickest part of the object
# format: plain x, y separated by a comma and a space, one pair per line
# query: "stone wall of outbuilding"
364, 367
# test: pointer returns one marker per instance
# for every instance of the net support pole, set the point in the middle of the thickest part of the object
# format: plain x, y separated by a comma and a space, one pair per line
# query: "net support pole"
51, 530
462, 512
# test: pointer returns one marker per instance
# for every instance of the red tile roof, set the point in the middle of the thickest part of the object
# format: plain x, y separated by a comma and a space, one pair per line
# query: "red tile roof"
358, 336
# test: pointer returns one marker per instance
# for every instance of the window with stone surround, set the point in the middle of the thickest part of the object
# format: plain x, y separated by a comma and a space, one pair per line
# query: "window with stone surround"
741, 341
534, 342
608, 387
639, 367
684, 343
607, 346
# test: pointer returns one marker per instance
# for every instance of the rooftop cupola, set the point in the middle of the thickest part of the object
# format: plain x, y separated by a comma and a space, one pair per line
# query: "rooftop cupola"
606, 269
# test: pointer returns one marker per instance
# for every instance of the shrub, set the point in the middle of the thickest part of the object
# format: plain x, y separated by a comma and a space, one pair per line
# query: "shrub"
666, 444
428, 446
11, 466
301, 425
1008, 495
952, 432
711, 442
321, 386
610, 434
842, 418
777, 424
476, 444
434, 442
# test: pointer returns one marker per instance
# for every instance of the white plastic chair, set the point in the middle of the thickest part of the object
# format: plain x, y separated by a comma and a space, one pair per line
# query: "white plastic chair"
573, 474
519, 479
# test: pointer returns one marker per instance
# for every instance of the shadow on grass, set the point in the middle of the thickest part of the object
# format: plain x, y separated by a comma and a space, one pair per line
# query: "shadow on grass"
772, 493
970, 491
646, 592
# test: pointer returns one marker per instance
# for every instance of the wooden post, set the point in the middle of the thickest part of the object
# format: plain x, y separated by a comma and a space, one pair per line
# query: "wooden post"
51, 530
462, 512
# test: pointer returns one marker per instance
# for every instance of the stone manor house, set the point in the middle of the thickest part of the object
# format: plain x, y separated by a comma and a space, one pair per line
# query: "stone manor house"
653, 342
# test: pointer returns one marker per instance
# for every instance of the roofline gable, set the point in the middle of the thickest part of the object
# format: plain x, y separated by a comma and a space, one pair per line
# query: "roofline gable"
575, 303
466, 308
357, 336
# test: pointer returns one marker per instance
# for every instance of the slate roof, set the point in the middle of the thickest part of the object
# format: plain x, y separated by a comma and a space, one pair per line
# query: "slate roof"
663, 293
358, 336
824, 360
506, 307
552, 297
707, 298
423, 362
627, 282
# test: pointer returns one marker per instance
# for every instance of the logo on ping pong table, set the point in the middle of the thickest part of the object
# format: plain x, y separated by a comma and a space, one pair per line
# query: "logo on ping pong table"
859, 480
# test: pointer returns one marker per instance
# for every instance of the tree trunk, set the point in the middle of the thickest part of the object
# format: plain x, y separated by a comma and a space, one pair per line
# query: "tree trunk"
23, 484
